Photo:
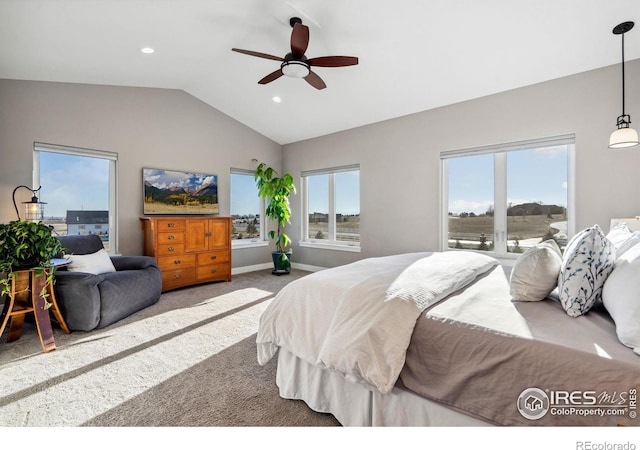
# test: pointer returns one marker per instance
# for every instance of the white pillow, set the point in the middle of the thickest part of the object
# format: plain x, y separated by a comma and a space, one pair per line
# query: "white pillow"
631, 241
588, 260
621, 297
619, 233
95, 263
535, 272
623, 238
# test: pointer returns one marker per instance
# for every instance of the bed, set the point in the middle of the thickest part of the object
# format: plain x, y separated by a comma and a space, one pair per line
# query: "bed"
436, 339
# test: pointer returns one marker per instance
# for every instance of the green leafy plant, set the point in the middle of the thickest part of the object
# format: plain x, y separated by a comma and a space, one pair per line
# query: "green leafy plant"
27, 245
276, 191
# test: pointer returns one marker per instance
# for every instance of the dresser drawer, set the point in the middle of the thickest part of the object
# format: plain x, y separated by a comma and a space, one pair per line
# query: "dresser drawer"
213, 272
171, 237
177, 261
176, 278
170, 249
170, 225
212, 258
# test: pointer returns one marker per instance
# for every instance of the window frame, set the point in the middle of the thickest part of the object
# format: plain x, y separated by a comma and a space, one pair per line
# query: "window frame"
500, 152
112, 157
330, 243
261, 240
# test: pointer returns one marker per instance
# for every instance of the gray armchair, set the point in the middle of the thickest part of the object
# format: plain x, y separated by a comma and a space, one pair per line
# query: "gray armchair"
89, 301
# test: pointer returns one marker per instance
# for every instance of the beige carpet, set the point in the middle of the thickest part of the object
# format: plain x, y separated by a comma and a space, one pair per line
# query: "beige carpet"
189, 360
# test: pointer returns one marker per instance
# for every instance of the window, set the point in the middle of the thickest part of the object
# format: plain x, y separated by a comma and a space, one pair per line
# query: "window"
507, 198
246, 208
331, 208
79, 188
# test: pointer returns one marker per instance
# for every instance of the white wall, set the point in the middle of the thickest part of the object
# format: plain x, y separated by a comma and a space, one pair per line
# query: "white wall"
158, 128
399, 158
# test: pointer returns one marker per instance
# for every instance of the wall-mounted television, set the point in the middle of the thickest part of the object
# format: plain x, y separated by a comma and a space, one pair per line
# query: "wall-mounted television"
177, 192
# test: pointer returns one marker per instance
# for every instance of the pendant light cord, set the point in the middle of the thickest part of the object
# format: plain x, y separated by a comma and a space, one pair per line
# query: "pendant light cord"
623, 74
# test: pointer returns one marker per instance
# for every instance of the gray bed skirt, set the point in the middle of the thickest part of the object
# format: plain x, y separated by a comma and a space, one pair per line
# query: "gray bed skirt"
354, 404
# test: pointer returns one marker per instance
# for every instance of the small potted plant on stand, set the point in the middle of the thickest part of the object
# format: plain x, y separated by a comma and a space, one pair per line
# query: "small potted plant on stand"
27, 245
276, 191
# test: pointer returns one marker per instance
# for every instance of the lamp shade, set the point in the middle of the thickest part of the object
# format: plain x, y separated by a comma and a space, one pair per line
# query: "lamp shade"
34, 210
295, 69
623, 137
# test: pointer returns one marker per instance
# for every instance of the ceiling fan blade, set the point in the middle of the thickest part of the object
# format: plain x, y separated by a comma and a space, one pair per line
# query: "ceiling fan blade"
272, 76
299, 40
333, 61
258, 54
314, 80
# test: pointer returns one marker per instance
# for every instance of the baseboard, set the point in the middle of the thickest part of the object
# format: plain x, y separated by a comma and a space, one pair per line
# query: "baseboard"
254, 268
307, 267
265, 266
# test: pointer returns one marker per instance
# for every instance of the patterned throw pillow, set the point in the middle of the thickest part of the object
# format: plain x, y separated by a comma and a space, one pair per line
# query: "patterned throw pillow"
587, 262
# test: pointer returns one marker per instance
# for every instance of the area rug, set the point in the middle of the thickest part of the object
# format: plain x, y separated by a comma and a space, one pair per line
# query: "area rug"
187, 361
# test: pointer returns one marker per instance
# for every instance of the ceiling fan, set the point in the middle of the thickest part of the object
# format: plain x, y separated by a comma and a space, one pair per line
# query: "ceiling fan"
295, 64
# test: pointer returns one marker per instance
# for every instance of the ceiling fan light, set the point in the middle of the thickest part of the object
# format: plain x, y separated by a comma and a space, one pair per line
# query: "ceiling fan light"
623, 137
295, 69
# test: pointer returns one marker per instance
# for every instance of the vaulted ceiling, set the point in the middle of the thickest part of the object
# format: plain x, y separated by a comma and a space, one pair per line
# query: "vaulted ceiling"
413, 55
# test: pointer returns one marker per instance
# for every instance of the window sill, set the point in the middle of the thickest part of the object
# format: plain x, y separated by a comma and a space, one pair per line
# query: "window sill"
331, 246
248, 243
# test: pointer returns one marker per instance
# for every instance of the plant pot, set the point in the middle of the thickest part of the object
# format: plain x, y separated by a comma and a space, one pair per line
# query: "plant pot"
281, 263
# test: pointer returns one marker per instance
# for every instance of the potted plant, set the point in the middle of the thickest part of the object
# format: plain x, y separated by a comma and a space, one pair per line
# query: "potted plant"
276, 191
27, 245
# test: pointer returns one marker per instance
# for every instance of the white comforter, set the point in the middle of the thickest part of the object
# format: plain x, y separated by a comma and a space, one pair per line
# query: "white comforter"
358, 319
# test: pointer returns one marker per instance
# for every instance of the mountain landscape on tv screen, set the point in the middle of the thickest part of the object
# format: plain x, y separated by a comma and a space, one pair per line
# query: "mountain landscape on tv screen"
206, 194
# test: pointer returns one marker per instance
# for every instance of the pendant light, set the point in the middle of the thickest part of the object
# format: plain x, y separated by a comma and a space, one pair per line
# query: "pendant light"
624, 136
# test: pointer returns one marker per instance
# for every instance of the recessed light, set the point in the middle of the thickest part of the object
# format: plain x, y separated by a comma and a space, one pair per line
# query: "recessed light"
147, 50
276, 99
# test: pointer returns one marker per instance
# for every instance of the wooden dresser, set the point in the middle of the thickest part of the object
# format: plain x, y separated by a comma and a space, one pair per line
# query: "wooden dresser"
189, 250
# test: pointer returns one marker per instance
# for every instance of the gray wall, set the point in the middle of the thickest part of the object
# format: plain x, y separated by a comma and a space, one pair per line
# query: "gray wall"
399, 159
159, 128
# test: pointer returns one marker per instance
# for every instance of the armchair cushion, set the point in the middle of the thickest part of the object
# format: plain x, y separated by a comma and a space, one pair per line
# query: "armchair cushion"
133, 262
127, 292
78, 298
81, 245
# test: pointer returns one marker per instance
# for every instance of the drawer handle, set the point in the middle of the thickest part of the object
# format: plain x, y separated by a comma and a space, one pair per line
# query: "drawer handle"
214, 270
171, 237
177, 275
177, 261
214, 257
171, 225
171, 249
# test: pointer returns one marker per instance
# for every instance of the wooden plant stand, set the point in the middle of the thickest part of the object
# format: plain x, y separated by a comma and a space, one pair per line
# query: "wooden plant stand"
24, 298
